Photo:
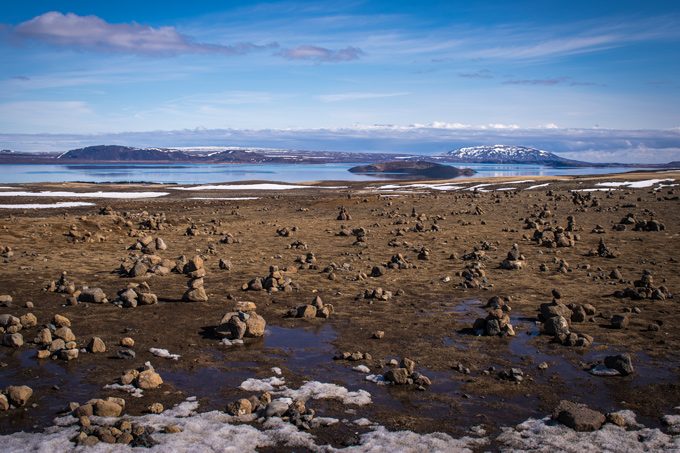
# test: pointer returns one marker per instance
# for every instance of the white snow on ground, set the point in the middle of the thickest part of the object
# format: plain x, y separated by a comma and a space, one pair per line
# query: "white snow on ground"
7, 187
441, 186
276, 370
376, 379
362, 422
500, 189
319, 390
61, 204
63, 194
362, 369
538, 186
479, 186
164, 353
634, 184
131, 389
261, 186
547, 436
309, 390
519, 182
592, 190
225, 198
262, 385
216, 431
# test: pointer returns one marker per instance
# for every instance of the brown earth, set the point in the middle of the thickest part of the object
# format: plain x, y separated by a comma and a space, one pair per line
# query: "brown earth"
426, 323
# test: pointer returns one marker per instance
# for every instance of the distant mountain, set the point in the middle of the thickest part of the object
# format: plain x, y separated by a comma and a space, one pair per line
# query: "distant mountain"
413, 168
116, 153
505, 154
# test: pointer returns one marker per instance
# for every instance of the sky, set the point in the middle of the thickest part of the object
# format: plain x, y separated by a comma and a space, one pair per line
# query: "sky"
594, 80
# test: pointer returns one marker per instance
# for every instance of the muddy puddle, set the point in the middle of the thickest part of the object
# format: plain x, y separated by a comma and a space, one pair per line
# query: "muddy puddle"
54, 384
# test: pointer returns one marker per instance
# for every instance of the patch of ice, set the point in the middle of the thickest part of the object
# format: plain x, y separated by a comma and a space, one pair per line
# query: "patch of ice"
319, 390
228, 342
523, 181
276, 370
262, 385
537, 186
262, 186
131, 389
601, 370
362, 369
376, 379
164, 353
112, 195
324, 421
225, 198
362, 422
62, 204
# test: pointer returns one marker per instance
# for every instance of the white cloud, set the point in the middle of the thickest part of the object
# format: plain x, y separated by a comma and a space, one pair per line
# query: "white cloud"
92, 32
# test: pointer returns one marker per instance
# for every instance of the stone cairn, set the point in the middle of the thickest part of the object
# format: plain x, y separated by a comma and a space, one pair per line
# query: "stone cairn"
195, 271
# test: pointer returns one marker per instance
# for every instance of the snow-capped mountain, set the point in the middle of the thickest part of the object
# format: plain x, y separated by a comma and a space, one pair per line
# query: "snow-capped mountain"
504, 154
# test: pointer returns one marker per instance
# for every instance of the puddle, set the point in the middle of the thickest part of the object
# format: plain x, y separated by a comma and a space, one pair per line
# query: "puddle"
54, 384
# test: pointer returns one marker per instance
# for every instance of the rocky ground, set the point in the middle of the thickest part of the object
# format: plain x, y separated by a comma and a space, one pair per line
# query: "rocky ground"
391, 291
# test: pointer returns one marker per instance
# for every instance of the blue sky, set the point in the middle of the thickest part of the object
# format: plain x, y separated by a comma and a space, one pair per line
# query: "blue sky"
375, 70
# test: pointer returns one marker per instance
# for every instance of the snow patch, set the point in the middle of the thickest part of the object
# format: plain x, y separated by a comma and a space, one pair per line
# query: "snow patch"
362, 369
634, 184
64, 194
61, 204
547, 436
164, 353
225, 198
131, 389
261, 385
319, 390
262, 186
537, 186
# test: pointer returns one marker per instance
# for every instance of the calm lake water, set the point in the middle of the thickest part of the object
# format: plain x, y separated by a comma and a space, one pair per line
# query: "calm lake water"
213, 173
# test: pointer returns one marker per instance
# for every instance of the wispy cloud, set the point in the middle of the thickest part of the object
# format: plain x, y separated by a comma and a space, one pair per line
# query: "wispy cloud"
551, 82
481, 74
339, 97
534, 82
322, 54
92, 32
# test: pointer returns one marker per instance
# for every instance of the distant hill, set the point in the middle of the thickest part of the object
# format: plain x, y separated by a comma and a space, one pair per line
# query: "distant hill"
505, 154
116, 153
414, 168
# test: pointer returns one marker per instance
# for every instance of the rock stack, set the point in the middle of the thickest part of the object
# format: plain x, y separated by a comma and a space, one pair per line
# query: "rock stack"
242, 322
602, 251
315, 309
515, 260
195, 271
344, 214
497, 322
57, 340
136, 294
275, 281
645, 289
557, 319
405, 374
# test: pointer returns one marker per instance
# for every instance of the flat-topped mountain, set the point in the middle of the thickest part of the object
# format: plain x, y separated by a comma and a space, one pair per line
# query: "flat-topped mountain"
122, 154
414, 168
505, 154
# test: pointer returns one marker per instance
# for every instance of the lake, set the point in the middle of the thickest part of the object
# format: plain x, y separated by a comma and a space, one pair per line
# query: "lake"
214, 173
